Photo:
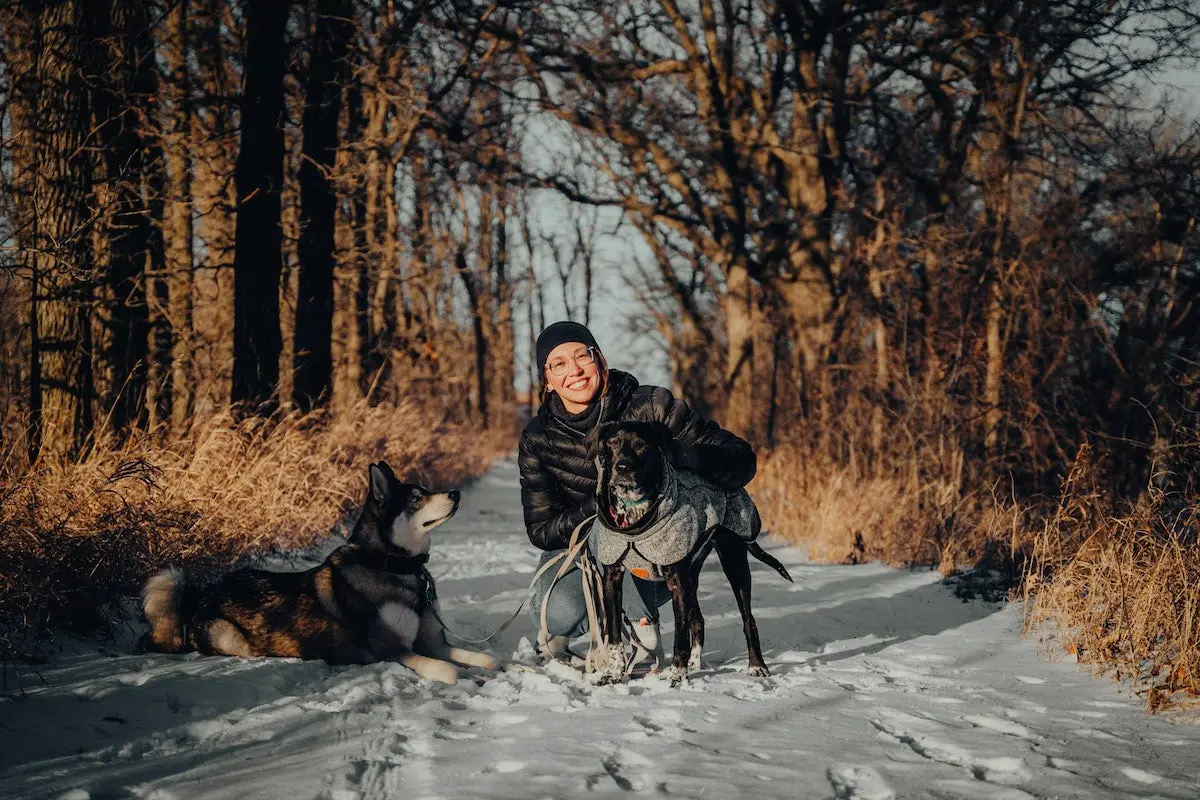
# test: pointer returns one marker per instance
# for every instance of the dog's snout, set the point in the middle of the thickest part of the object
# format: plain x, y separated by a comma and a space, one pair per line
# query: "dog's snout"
454, 495
623, 465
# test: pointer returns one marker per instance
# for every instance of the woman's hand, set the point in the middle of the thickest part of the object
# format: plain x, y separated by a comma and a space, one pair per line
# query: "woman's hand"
684, 455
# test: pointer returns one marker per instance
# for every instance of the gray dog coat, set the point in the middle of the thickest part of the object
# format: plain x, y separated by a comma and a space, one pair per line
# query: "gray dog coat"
688, 510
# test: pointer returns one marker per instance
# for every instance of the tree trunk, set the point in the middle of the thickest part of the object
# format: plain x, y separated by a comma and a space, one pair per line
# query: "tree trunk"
258, 175
374, 229
314, 302
349, 249
126, 82
159, 386
214, 198
177, 227
882, 355
993, 417
502, 292
475, 301
45, 44
532, 293
739, 360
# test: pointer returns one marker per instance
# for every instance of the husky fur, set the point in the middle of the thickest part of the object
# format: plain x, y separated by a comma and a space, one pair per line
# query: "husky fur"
372, 599
661, 522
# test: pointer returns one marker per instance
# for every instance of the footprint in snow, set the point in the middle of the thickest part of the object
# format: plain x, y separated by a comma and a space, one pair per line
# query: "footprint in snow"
508, 719
449, 731
1096, 733
905, 729
643, 728
1140, 775
978, 791
621, 767
852, 782
1000, 726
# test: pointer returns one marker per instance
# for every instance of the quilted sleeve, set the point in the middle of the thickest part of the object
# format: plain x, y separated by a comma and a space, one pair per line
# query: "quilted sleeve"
550, 518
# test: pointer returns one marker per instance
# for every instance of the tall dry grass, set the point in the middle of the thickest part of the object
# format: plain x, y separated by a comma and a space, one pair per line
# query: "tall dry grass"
1117, 584
1120, 588
840, 513
76, 537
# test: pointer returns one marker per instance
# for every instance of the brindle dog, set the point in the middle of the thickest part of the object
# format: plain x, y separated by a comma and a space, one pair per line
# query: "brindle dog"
636, 465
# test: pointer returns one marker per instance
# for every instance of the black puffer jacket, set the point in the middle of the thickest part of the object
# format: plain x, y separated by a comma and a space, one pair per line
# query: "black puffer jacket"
558, 480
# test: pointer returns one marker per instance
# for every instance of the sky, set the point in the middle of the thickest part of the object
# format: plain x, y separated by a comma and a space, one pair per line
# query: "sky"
614, 301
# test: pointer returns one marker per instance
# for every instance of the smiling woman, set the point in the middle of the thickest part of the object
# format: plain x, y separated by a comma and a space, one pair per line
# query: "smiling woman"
558, 474
573, 373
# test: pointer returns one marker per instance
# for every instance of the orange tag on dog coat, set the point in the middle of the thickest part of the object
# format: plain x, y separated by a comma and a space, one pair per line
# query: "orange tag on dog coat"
641, 572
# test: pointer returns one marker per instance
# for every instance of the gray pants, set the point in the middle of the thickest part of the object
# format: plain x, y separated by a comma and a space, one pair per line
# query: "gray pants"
566, 613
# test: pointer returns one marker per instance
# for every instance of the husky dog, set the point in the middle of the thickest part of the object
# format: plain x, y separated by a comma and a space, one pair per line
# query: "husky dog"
371, 600
661, 523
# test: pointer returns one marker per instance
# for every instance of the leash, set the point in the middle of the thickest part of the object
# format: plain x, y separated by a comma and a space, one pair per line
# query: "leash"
563, 560
599, 655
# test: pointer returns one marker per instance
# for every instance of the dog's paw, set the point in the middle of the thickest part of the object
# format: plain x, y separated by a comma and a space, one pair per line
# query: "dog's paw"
430, 668
440, 672
608, 679
471, 658
759, 671
614, 667
678, 676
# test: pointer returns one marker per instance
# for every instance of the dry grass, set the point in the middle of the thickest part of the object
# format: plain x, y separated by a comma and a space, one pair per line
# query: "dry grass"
840, 515
1122, 591
76, 537
1119, 588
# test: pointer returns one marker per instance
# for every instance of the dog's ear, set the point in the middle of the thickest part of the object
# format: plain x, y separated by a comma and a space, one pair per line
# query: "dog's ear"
380, 482
660, 435
598, 432
681, 455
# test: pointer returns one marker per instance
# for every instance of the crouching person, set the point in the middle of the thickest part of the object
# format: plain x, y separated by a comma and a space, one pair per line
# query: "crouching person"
558, 476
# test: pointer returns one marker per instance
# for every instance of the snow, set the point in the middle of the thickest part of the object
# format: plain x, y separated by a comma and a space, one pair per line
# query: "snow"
884, 685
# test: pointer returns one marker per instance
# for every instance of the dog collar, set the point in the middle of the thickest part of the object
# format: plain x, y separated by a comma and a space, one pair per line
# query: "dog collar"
405, 564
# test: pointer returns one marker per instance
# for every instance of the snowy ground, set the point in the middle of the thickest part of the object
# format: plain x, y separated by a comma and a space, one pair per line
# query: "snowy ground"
884, 686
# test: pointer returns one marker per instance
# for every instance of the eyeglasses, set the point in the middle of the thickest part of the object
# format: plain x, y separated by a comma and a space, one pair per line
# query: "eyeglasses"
558, 367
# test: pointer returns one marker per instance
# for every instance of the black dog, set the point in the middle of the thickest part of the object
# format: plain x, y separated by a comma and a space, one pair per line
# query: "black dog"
662, 522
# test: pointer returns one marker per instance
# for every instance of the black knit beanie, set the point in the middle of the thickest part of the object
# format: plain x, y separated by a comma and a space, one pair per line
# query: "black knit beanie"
560, 333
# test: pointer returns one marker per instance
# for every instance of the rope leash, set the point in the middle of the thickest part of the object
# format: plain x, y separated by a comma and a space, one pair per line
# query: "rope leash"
575, 555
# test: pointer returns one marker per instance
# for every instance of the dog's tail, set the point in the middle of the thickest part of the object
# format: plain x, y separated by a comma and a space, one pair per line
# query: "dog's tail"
162, 604
768, 559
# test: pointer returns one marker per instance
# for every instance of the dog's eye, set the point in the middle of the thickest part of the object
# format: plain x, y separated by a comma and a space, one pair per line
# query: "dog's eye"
414, 495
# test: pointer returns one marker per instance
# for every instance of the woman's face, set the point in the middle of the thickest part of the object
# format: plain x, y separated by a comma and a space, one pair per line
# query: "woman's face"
579, 382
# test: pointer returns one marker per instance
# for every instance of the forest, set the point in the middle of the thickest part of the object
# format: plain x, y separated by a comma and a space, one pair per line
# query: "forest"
937, 261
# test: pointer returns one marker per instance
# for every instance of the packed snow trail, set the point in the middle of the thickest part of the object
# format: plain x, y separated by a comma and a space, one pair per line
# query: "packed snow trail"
884, 685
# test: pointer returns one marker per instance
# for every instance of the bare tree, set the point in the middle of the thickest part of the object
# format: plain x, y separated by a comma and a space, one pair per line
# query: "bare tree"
45, 45
178, 230
258, 259
328, 68
125, 79
218, 45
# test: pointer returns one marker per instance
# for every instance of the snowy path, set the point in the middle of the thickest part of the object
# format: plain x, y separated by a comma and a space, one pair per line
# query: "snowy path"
884, 686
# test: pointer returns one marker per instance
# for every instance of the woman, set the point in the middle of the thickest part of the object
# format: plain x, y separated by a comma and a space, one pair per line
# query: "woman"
558, 479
